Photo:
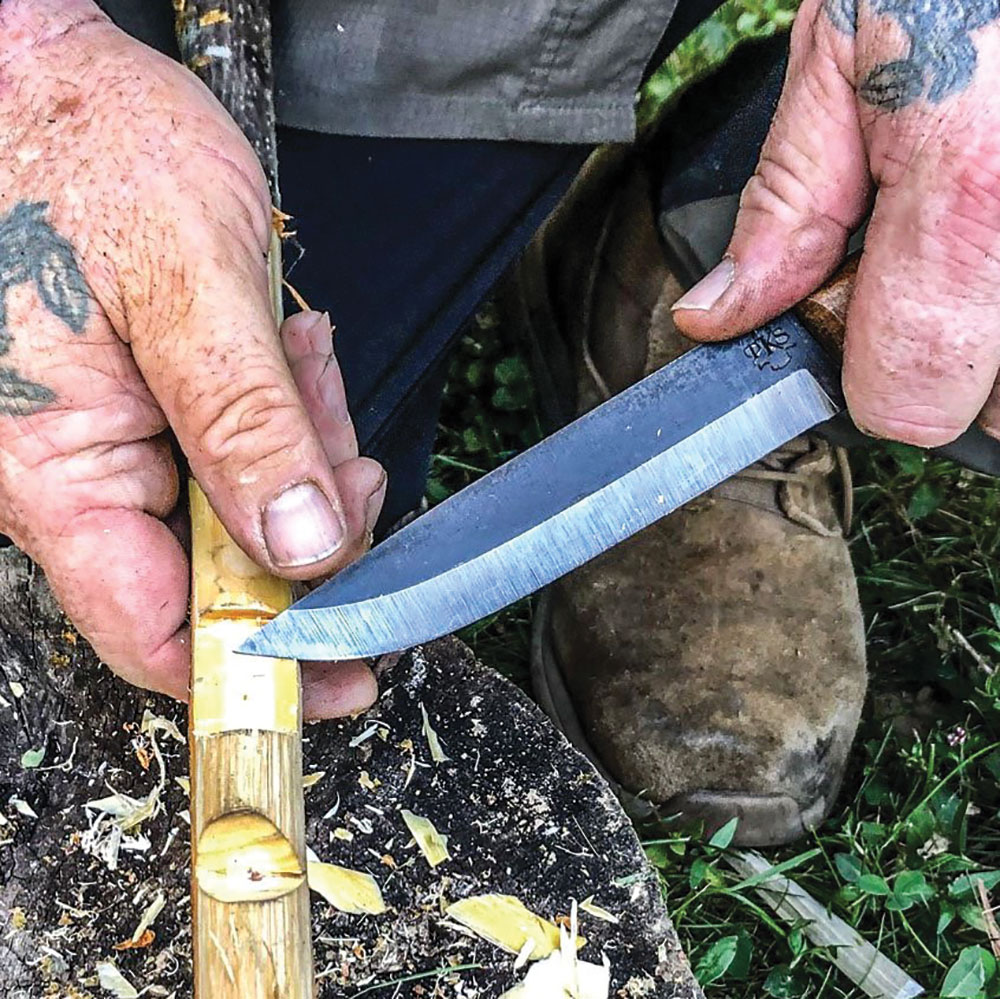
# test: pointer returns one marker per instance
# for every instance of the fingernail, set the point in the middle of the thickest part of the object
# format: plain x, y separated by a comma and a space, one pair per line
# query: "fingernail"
307, 333
301, 526
373, 505
320, 334
709, 289
323, 331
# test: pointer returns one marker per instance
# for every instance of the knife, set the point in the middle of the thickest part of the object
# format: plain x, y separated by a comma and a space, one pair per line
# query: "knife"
634, 459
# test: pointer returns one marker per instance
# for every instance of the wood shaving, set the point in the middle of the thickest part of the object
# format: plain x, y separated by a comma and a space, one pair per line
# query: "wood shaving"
353, 892
149, 915
554, 978
432, 844
147, 937
23, 808
590, 907
562, 975
112, 980
437, 751
367, 783
507, 923
379, 727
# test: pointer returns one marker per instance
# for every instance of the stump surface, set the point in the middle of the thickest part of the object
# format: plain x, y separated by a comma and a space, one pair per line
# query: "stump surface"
525, 815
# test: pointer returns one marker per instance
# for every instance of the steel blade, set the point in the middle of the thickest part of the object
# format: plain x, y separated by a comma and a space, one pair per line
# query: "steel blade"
632, 460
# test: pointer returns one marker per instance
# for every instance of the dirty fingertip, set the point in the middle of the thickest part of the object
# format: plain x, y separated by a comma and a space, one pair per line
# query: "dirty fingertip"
337, 690
307, 333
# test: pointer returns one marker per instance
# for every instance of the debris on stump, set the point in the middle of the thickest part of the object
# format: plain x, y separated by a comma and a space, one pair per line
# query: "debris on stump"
525, 817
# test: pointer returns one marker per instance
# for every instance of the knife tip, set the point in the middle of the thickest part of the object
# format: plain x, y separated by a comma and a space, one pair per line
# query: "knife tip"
256, 645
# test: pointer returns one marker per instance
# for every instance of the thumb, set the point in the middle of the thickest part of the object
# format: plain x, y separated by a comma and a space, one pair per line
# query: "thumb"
810, 189
222, 379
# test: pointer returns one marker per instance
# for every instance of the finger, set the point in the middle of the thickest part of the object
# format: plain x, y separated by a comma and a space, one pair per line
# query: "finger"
811, 188
923, 343
134, 475
335, 690
989, 415
122, 578
307, 338
207, 345
308, 343
364, 477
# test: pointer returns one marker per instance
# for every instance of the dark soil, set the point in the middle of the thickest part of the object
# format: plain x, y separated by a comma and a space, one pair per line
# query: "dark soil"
524, 813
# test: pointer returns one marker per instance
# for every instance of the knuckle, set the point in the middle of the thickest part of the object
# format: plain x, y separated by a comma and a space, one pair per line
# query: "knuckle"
775, 189
246, 425
780, 191
964, 232
232, 186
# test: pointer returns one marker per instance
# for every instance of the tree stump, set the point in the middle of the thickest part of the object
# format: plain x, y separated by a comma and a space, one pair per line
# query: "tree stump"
524, 813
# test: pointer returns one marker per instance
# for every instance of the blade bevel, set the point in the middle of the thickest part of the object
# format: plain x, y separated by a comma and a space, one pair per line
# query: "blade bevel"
498, 576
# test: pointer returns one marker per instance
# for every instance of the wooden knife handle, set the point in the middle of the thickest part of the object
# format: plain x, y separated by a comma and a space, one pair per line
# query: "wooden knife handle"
824, 312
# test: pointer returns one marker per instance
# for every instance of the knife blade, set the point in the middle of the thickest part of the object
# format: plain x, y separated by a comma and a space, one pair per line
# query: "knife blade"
637, 457
632, 460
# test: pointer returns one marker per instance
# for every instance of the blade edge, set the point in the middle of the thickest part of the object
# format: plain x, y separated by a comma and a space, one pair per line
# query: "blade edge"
568, 539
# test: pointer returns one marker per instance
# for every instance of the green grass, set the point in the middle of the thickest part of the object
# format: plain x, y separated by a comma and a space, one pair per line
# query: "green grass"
920, 808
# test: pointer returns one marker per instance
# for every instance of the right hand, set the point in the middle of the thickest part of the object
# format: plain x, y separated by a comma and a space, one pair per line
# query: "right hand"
134, 224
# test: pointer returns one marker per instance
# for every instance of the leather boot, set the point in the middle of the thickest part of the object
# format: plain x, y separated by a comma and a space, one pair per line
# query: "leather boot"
713, 665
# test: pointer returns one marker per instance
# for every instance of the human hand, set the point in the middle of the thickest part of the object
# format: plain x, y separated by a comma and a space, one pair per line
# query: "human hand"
134, 225
894, 102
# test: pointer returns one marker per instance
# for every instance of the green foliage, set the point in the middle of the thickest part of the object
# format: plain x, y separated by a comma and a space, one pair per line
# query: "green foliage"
710, 45
32, 758
917, 824
729, 957
488, 416
970, 975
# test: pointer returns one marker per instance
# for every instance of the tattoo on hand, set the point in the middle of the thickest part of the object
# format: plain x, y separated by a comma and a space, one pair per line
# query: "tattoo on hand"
941, 61
843, 13
32, 251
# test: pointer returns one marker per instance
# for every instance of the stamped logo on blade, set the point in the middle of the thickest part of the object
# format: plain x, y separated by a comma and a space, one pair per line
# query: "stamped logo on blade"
770, 348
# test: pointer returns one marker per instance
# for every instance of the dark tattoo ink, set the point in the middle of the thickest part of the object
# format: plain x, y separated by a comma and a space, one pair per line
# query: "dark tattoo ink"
942, 58
19, 397
843, 13
32, 251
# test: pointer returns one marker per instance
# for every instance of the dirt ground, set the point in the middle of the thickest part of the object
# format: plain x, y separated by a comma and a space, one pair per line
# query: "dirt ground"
524, 814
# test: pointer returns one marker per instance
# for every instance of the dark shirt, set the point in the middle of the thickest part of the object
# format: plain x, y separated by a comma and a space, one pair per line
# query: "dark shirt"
537, 70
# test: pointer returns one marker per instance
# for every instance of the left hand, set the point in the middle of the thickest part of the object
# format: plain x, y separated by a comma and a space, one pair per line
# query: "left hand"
894, 103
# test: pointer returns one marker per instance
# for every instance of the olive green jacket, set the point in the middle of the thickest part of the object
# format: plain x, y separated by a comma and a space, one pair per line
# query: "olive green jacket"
535, 70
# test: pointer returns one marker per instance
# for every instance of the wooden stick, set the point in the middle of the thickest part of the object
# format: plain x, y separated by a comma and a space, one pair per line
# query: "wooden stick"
249, 896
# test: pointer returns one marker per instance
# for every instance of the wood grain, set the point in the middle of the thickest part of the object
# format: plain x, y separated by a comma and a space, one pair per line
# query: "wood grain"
246, 757
245, 721
824, 312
